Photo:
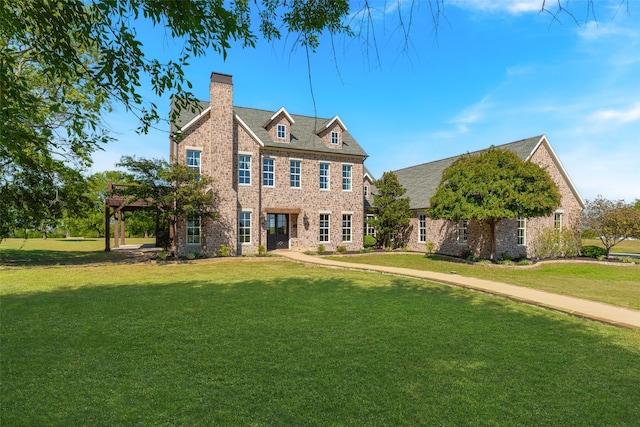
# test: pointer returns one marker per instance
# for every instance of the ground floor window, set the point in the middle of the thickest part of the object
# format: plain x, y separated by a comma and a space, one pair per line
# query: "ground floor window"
463, 231
324, 227
370, 230
522, 231
346, 227
193, 230
557, 221
422, 228
244, 227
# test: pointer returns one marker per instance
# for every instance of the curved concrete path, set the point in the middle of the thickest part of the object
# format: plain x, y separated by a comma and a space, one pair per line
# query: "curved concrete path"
602, 312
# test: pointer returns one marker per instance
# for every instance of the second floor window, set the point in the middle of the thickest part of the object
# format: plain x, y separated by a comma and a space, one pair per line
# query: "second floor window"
244, 169
193, 160
346, 177
324, 176
268, 171
282, 131
294, 173
244, 227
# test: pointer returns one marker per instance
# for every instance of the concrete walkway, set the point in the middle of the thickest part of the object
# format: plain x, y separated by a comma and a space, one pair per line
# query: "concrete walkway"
602, 312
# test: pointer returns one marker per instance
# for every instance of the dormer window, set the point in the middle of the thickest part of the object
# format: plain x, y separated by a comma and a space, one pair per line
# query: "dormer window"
335, 138
282, 131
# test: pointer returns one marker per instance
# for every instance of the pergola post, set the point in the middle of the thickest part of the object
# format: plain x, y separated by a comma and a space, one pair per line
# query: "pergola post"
122, 242
107, 229
116, 229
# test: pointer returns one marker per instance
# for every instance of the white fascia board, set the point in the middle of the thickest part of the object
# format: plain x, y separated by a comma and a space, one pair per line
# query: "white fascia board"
336, 119
194, 120
563, 171
248, 129
277, 113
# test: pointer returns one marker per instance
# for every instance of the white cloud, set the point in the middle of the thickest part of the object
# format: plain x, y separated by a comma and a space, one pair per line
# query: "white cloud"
474, 113
514, 7
629, 115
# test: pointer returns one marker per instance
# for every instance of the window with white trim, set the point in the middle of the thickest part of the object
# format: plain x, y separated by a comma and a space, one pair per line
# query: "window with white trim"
422, 228
193, 230
244, 169
244, 227
282, 131
335, 138
193, 160
294, 173
346, 227
324, 176
368, 226
557, 221
268, 172
346, 177
463, 231
324, 228
522, 231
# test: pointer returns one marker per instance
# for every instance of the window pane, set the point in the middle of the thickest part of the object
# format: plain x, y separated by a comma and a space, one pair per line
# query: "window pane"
346, 177
268, 172
324, 176
324, 227
294, 168
346, 227
244, 227
244, 169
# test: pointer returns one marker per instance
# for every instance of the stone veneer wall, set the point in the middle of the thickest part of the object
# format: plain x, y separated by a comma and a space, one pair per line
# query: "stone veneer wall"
444, 233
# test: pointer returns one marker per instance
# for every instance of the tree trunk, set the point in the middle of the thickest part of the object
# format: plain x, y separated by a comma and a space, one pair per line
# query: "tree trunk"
494, 248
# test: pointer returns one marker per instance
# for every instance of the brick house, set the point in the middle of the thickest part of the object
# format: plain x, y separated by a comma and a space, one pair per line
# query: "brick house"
513, 236
284, 180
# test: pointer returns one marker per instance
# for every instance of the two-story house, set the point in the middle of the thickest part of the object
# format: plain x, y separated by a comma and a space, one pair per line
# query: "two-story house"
283, 180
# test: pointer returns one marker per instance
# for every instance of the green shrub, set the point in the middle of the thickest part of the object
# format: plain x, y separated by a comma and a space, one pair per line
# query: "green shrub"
505, 256
429, 247
321, 249
162, 256
370, 241
191, 256
366, 250
524, 262
224, 250
506, 262
589, 234
341, 249
551, 243
262, 251
592, 251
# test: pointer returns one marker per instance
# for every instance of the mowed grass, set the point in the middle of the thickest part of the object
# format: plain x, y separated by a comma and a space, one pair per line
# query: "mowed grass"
624, 247
60, 251
269, 342
617, 284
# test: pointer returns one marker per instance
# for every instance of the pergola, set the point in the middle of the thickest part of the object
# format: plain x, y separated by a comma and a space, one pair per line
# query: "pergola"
115, 207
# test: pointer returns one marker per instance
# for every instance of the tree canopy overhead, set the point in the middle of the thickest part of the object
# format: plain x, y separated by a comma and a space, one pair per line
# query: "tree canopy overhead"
493, 185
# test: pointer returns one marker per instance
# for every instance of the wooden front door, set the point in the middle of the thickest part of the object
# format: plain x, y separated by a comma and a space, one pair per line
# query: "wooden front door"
277, 231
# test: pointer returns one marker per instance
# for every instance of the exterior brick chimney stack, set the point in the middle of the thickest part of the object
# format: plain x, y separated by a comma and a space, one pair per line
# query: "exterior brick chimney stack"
224, 159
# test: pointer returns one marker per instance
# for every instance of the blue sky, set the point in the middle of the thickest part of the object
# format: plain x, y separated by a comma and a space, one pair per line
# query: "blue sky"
494, 72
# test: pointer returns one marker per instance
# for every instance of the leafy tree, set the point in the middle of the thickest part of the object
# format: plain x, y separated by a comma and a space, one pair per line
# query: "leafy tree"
491, 186
392, 213
613, 221
174, 190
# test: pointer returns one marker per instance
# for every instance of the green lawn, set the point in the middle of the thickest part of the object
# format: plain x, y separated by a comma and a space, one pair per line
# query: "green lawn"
269, 342
610, 283
60, 251
624, 247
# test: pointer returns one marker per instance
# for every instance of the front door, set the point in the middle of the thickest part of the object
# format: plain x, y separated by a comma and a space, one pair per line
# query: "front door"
277, 231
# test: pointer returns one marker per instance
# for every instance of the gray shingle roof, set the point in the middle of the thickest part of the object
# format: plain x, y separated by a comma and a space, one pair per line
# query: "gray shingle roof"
421, 181
303, 131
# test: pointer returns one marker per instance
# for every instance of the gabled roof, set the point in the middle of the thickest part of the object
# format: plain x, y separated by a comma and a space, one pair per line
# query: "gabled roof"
276, 114
187, 118
421, 181
330, 122
303, 133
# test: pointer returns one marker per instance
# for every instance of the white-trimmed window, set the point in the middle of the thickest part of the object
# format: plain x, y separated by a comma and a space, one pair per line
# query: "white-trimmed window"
368, 227
244, 227
324, 227
282, 131
335, 138
522, 231
347, 227
244, 169
268, 172
193, 160
422, 228
557, 221
346, 177
324, 176
193, 230
294, 173
463, 231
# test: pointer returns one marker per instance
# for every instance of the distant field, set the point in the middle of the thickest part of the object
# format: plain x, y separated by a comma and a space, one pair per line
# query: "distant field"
625, 247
